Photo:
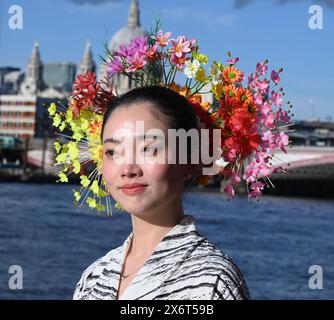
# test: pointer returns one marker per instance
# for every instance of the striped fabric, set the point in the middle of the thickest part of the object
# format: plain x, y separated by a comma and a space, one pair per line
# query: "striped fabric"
184, 266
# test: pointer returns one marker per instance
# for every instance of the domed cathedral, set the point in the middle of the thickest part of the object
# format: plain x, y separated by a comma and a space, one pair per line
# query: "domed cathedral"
124, 36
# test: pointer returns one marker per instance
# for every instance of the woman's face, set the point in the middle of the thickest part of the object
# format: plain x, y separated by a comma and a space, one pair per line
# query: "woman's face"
144, 162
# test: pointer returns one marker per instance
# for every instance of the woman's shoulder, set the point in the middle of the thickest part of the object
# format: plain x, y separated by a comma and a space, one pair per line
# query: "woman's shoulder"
92, 273
229, 280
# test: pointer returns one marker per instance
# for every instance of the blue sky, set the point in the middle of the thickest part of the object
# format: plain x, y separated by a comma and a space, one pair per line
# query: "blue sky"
252, 30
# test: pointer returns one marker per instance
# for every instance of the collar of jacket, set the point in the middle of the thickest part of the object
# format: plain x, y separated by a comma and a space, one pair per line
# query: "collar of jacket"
167, 258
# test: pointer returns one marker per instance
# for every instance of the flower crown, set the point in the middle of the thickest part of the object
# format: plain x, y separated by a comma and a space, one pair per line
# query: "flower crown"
251, 130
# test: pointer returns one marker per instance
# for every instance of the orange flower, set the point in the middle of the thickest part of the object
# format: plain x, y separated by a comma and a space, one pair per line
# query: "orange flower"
232, 75
173, 86
206, 105
245, 96
203, 180
214, 116
230, 90
196, 98
95, 127
183, 91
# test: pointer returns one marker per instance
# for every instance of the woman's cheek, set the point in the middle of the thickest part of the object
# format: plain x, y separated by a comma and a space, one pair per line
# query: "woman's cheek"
107, 174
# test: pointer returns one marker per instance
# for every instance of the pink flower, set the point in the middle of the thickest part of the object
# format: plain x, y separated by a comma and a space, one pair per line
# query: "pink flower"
275, 76
261, 68
235, 177
257, 189
278, 169
266, 108
181, 46
179, 61
262, 86
276, 98
251, 79
282, 140
264, 170
122, 51
269, 120
114, 67
140, 44
268, 136
229, 190
257, 186
233, 60
251, 172
137, 62
282, 115
258, 99
161, 38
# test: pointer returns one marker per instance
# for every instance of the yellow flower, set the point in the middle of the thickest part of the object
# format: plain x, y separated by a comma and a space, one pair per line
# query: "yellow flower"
201, 76
52, 109
76, 195
63, 177
91, 202
57, 146
56, 120
84, 181
218, 90
202, 58
95, 187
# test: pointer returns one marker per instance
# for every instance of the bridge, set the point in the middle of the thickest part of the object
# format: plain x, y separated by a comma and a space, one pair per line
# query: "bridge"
308, 162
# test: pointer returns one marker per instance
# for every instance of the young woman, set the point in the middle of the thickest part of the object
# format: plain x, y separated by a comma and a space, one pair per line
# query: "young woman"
164, 257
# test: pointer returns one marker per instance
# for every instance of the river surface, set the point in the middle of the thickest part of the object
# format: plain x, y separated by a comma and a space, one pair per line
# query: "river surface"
274, 242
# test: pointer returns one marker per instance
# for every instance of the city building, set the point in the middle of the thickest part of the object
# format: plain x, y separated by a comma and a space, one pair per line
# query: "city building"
59, 76
17, 115
23, 96
124, 36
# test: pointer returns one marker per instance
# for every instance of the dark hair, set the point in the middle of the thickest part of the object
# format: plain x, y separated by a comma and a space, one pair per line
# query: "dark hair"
167, 105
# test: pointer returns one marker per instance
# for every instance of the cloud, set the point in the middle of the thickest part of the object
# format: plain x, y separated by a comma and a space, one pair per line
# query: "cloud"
92, 2
238, 4
241, 3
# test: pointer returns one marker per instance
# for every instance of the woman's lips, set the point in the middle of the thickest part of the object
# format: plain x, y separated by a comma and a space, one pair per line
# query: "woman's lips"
133, 190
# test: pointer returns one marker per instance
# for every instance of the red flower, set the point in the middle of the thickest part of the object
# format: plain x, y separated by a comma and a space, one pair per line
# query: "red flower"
84, 81
84, 92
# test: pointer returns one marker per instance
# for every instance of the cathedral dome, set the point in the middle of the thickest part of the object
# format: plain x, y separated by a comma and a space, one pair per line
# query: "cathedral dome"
130, 31
125, 36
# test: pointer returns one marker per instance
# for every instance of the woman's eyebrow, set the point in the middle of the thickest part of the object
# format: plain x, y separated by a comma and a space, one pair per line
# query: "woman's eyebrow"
111, 140
151, 136
142, 137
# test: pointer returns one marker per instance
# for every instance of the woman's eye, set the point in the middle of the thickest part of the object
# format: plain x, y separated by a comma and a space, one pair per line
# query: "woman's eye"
148, 148
110, 153
151, 149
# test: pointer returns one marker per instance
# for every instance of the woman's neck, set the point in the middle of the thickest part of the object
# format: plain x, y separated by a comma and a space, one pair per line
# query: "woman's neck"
149, 231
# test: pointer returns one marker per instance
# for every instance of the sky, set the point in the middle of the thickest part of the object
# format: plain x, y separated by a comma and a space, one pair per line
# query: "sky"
253, 30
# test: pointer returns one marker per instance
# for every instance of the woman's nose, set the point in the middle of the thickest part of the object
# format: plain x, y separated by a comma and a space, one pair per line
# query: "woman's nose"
130, 170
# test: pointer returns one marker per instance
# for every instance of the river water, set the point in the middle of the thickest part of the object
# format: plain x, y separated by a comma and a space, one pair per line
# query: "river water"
274, 242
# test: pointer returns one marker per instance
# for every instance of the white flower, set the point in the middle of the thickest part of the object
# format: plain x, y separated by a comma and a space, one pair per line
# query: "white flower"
216, 74
191, 68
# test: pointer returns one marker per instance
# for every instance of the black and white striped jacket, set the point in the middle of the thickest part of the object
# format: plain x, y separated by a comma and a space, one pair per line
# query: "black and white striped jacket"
184, 266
